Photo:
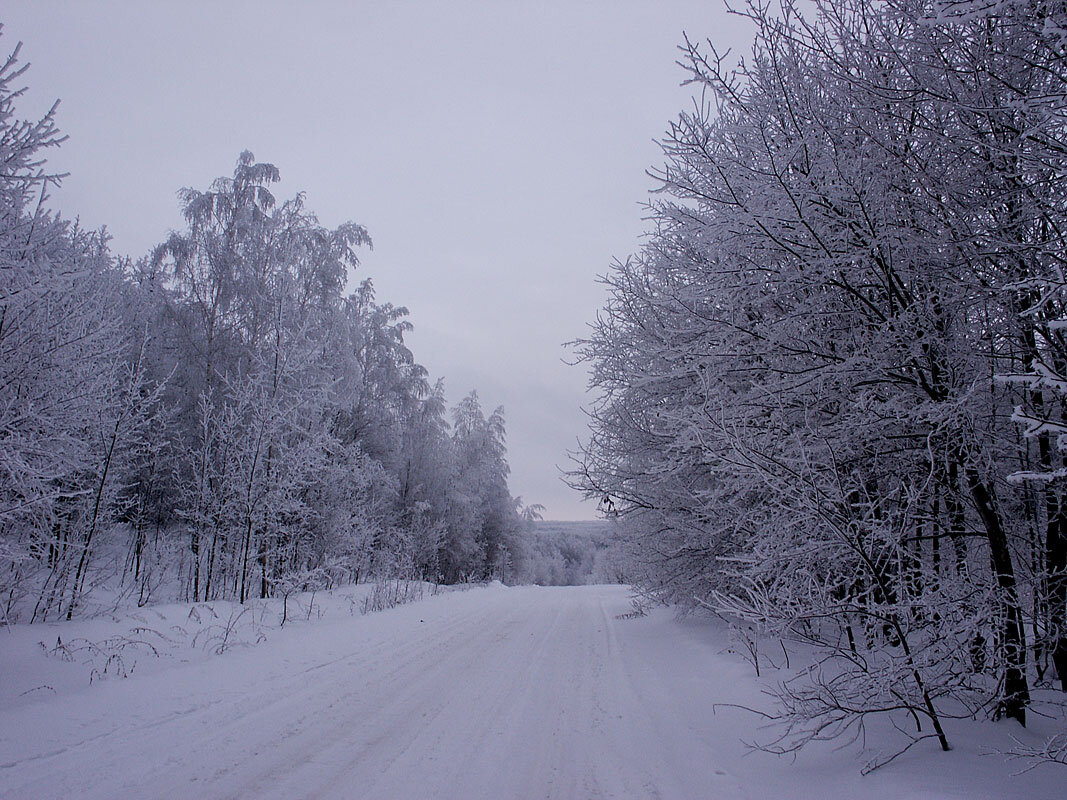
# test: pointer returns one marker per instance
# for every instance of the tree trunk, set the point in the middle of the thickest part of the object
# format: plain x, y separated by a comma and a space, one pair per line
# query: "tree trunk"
1012, 637
1056, 572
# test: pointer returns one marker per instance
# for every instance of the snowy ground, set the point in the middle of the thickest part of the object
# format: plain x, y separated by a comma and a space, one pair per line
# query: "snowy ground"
491, 693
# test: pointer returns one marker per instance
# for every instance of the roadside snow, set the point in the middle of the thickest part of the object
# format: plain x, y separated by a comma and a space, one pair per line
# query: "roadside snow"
57, 657
493, 693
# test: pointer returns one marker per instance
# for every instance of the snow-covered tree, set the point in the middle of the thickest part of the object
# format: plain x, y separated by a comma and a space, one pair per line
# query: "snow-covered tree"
219, 415
482, 516
798, 417
73, 396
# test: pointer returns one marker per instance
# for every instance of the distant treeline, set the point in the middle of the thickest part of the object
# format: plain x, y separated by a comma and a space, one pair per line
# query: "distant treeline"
567, 554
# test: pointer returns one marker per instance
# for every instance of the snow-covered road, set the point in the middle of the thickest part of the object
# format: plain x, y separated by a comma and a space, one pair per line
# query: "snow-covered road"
491, 693
487, 693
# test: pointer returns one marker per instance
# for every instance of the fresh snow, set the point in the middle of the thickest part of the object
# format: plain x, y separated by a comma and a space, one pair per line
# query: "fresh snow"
496, 692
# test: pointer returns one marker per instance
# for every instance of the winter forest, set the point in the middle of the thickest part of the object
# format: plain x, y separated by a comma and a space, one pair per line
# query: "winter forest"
827, 440
834, 383
218, 417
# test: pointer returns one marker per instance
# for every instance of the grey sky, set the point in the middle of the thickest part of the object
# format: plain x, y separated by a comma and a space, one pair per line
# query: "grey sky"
495, 152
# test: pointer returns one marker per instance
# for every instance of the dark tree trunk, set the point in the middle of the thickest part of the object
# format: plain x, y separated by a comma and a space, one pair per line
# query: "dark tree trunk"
1016, 695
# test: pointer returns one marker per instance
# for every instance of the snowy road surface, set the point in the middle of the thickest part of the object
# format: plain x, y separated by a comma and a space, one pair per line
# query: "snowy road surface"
490, 693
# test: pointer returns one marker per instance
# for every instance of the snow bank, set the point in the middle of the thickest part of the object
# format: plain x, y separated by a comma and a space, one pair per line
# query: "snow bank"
52, 658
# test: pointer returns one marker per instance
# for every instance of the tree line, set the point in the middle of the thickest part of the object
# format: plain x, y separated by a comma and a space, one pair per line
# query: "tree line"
219, 418
832, 384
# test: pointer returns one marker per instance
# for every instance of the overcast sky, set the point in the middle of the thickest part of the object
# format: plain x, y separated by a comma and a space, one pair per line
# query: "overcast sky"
495, 151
